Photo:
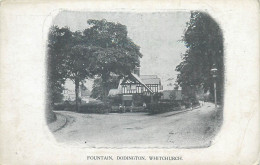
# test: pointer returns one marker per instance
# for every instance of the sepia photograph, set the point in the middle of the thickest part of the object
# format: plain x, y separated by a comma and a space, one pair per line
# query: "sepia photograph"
133, 79
129, 82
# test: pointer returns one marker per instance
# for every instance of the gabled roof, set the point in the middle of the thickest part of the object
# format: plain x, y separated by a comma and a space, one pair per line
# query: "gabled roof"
150, 79
138, 79
148, 76
130, 79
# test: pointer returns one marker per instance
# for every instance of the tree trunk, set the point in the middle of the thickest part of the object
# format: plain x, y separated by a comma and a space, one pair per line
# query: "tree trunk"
50, 115
104, 93
104, 86
77, 94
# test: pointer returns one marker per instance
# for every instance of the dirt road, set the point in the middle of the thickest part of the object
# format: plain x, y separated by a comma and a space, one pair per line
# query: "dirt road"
190, 129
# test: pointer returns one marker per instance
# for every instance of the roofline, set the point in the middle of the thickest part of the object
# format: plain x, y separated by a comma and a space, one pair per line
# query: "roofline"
150, 78
148, 75
132, 74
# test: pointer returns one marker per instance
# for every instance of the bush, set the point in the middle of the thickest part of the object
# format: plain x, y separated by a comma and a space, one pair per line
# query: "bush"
162, 107
59, 106
138, 100
65, 106
165, 101
115, 100
139, 109
95, 108
147, 99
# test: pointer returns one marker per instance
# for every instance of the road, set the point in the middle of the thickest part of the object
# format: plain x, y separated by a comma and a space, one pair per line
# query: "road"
191, 129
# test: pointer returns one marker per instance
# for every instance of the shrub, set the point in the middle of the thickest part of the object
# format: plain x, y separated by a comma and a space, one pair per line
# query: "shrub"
115, 100
162, 107
138, 100
65, 106
147, 99
139, 109
95, 108
157, 96
59, 106
165, 101
187, 102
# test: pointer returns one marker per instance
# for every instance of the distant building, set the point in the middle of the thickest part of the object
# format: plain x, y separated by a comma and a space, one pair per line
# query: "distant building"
84, 94
68, 95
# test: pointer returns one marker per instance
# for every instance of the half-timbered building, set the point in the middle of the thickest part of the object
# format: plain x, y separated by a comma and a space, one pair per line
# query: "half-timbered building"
136, 84
145, 84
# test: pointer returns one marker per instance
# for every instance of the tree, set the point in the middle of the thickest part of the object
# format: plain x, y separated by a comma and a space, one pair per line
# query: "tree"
80, 65
176, 86
102, 50
58, 41
68, 58
172, 95
204, 40
97, 90
118, 54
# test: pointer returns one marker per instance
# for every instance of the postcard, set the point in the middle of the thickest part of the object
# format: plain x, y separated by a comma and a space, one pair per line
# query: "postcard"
129, 82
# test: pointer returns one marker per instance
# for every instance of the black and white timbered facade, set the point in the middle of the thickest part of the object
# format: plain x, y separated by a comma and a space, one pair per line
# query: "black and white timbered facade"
136, 84
144, 84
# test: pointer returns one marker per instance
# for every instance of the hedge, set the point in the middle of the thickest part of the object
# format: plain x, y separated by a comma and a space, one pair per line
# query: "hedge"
84, 108
61, 106
95, 108
162, 107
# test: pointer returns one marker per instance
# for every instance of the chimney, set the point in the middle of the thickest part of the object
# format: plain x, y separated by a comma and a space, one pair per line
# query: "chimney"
137, 71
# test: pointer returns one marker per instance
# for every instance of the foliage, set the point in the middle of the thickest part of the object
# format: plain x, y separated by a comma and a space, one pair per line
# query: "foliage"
67, 58
80, 62
103, 50
189, 101
80, 65
204, 40
138, 100
157, 96
162, 107
58, 41
147, 99
63, 106
117, 53
95, 108
58, 44
172, 95
115, 100
176, 86
84, 108
97, 89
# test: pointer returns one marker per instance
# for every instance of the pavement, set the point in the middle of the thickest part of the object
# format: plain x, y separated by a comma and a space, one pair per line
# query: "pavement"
191, 128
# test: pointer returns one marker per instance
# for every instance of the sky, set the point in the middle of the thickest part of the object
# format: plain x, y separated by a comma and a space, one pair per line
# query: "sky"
158, 34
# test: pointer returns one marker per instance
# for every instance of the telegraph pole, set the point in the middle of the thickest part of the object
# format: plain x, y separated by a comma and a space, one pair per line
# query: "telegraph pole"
214, 71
